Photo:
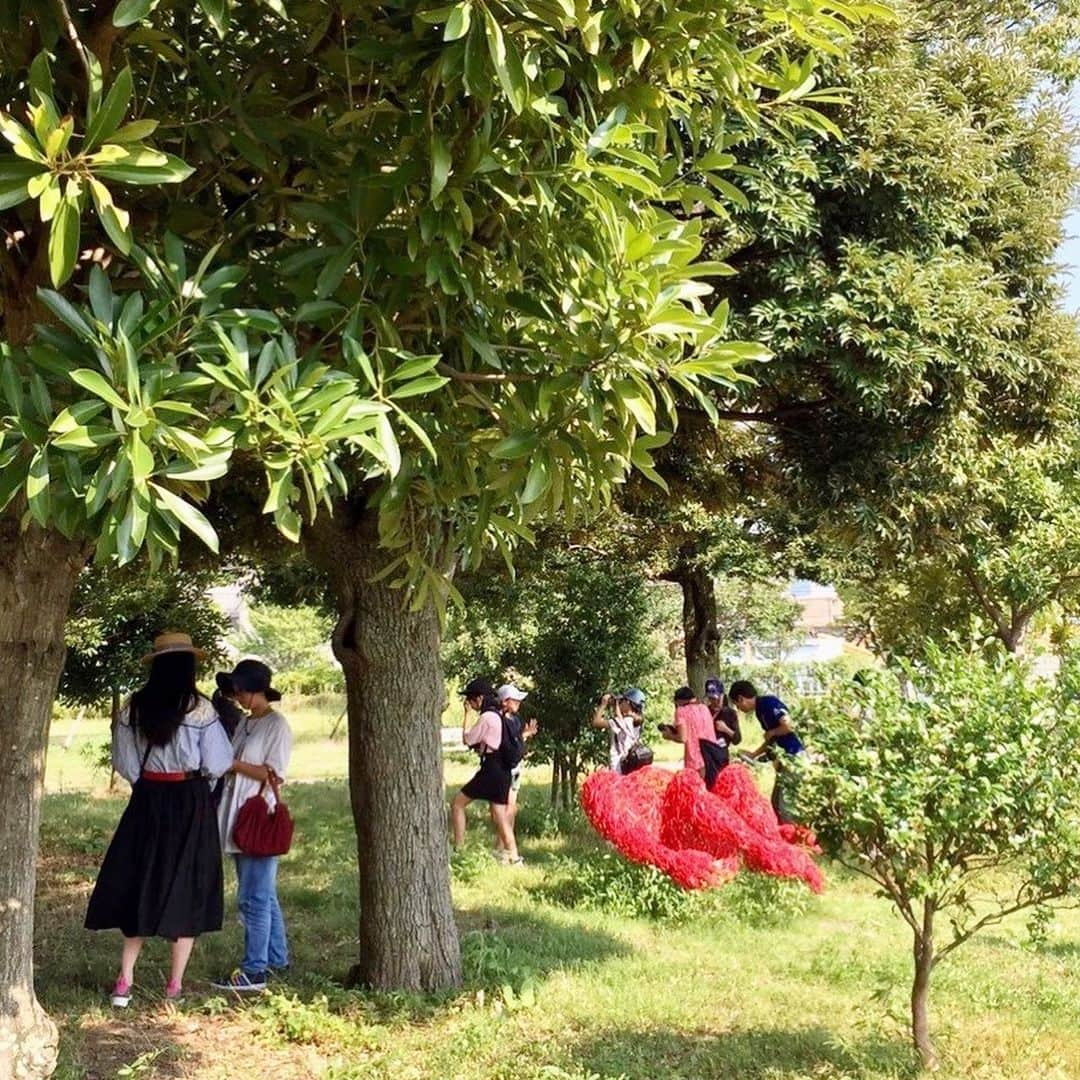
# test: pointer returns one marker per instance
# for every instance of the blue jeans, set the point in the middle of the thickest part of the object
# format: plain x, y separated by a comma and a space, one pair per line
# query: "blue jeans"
265, 944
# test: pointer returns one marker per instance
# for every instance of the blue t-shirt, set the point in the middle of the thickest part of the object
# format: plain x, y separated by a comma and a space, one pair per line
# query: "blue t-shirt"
771, 712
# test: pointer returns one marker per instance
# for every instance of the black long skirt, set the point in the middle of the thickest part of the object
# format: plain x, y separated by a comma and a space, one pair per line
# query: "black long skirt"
162, 873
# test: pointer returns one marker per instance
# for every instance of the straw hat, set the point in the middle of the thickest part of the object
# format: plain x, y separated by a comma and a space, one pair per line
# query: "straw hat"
164, 644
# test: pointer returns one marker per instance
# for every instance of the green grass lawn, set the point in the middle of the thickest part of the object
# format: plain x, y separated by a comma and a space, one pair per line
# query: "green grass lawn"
749, 982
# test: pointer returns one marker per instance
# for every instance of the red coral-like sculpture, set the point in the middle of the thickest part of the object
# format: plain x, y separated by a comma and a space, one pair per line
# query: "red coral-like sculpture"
698, 837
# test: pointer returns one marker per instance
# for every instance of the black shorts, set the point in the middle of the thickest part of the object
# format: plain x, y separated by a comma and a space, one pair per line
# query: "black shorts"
491, 782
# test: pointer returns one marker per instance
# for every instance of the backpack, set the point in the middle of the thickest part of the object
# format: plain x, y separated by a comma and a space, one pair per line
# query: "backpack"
512, 743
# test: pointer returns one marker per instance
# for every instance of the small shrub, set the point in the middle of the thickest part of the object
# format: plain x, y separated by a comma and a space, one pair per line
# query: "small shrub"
289, 1018
607, 882
761, 900
469, 862
489, 960
541, 821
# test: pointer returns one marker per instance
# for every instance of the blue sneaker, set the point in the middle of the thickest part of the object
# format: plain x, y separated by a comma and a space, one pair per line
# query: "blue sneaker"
242, 983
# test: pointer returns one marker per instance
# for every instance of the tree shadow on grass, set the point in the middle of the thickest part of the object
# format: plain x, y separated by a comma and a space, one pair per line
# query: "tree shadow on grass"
501, 944
766, 1053
500, 947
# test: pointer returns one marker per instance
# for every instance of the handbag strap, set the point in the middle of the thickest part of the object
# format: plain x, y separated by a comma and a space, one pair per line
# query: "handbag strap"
274, 781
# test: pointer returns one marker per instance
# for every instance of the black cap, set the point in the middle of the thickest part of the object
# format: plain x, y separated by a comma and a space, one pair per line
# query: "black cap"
684, 694
250, 676
478, 688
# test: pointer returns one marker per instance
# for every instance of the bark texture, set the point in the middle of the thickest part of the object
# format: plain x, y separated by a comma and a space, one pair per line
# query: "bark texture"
920, 991
699, 627
395, 691
37, 575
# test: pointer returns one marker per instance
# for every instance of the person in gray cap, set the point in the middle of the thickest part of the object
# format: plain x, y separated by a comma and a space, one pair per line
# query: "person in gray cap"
622, 716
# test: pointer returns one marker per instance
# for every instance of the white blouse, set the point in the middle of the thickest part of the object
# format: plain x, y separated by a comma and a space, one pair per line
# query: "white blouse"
199, 745
264, 740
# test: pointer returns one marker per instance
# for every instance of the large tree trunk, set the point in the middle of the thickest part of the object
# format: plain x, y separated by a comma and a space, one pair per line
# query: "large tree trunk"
699, 627
37, 575
920, 990
395, 692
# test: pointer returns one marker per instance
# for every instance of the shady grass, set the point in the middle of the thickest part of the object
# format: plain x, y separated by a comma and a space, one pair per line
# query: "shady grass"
577, 968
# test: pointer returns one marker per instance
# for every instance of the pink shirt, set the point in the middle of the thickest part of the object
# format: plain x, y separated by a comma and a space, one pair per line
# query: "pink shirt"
694, 722
486, 733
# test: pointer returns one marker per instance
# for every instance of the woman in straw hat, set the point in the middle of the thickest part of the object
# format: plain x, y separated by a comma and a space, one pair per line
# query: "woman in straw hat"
162, 873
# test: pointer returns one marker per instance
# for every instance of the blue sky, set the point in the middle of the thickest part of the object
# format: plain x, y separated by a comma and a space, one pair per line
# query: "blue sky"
1070, 250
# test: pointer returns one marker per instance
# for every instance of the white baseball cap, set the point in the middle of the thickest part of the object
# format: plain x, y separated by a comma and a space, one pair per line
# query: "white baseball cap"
509, 692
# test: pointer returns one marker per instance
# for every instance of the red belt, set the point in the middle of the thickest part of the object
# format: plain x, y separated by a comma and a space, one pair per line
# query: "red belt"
168, 777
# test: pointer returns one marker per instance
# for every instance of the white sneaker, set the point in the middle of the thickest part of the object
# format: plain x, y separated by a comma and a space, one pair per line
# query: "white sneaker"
120, 998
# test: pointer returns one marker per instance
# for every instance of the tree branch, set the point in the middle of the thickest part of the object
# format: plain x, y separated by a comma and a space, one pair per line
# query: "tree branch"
485, 376
76, 41
993, 918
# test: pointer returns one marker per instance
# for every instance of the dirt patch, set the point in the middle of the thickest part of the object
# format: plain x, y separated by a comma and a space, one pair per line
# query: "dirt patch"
170, 1044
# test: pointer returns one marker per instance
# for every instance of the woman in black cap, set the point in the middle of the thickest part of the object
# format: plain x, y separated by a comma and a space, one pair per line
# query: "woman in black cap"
493, 779
261, 745
162, 873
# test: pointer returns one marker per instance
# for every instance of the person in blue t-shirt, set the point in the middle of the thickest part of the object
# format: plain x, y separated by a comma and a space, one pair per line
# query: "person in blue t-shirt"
775, 721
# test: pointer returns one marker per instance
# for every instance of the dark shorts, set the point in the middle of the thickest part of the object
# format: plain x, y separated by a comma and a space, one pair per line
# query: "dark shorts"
491, 782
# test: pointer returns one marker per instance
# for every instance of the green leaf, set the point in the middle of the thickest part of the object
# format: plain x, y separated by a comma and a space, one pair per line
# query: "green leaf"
41, 74
131, 532
67, 313
134, 132
507, 63
12, 478
628, 178
14, 191
517, 445
316, 310
440, 165
101, 295
142, 458
211, 468
172, 171
112, 112
457, 26
217, 11
384, 432
639, 406
116, 222
188, 516
64, 241
417, 387
50, 201
22, 142
132, 11
538, 480
638, 51
288, 523
37, 486
12, 386
333, 272
96, 383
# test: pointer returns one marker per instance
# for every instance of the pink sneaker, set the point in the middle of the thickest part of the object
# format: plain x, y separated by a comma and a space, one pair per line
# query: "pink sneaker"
121, 994
173, 990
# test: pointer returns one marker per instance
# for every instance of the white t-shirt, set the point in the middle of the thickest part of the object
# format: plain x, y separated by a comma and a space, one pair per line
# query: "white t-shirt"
624, 733
263, 741
200, 744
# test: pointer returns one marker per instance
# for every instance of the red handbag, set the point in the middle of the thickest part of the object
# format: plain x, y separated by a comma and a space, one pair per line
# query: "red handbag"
260, 830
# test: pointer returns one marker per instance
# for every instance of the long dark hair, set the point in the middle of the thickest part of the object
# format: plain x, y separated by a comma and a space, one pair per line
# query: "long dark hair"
158, 709
491, 703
